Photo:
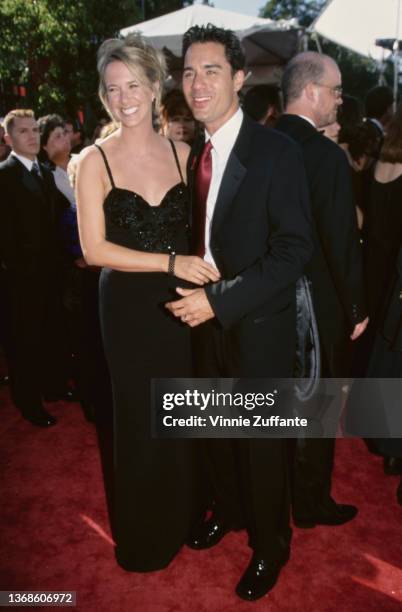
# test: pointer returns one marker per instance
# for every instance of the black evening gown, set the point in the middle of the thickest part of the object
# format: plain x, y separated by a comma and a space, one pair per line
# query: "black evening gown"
383, 237
366, 411
156, 483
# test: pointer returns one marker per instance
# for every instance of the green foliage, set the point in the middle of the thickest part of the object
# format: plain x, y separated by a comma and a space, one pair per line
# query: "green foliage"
50, 47
358, 74
305, 11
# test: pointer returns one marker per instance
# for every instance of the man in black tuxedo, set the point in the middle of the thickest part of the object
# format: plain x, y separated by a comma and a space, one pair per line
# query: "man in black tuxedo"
29, 213
251, 219
311, 87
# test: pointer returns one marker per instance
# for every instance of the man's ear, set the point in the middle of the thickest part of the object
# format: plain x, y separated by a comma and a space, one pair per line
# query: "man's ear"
311, 92
238, 80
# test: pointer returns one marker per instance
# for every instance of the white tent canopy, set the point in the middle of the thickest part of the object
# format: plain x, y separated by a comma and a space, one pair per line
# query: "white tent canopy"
266, 42
357, 24
167, 30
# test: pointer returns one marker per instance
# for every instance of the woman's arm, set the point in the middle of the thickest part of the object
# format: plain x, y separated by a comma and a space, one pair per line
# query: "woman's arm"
91, 191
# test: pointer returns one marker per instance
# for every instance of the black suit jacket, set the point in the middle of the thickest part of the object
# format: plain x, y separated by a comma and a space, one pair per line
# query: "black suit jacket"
29, 224
335, 270
260, 241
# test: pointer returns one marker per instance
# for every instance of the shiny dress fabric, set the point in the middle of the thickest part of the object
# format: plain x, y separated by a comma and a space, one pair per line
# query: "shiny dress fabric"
156, 483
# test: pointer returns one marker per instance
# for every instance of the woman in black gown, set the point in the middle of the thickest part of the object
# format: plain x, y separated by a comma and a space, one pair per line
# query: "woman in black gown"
368, 412
133, 219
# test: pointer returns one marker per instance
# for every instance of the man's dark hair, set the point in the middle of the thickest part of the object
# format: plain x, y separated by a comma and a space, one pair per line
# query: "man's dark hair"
47, 124
378, 100
362, 139
210, 33
349, 116
392, 148
304, 68
259, 98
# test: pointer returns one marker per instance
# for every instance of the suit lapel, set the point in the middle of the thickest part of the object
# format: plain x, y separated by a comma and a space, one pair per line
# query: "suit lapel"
23, 176
49, 190
231, 180
234, 174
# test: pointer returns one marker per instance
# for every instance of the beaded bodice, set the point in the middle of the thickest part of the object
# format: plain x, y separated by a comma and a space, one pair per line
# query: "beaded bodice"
132, 222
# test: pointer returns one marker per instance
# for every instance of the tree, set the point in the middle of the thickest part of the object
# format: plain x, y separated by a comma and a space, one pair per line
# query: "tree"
49, 46
305, 11
358, 74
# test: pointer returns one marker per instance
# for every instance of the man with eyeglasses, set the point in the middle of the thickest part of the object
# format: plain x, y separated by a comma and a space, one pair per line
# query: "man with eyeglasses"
312, 92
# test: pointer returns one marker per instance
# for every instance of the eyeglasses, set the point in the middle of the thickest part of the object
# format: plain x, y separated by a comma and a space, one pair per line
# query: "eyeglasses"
336, 90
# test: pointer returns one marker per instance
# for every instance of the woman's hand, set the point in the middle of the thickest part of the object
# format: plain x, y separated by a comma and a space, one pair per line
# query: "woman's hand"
195, 270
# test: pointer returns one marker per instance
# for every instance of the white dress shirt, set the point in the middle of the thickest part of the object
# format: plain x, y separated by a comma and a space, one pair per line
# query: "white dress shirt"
222, 141
63, 184
28, 163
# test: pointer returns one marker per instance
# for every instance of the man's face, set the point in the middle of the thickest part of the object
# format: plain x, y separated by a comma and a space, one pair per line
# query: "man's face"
209, 86
24, 137
328, 95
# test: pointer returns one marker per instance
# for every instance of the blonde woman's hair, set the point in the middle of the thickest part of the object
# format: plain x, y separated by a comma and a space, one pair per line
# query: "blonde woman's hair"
140, 57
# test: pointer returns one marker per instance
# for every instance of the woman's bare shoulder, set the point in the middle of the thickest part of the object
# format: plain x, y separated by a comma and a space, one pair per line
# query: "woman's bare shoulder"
89, 156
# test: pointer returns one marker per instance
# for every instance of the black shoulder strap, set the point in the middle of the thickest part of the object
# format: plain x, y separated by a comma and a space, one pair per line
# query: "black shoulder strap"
177, 159
106, 164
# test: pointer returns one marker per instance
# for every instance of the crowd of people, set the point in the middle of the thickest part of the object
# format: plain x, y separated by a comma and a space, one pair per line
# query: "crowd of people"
189, 220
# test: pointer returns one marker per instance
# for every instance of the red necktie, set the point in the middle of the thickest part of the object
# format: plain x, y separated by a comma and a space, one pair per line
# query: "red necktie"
202, 182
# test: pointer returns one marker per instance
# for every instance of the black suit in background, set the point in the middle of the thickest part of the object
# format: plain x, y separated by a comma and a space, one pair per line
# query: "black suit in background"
260, 241
30, 254
335, 272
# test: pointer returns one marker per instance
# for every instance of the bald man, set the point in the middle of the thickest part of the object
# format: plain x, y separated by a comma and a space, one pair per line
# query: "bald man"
312, 91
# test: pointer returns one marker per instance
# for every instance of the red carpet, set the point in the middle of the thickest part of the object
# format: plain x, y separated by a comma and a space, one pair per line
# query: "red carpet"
55, 535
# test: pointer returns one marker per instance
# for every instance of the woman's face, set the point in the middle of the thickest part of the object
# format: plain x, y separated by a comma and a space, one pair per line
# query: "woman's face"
58, 143
129, 98
180, 126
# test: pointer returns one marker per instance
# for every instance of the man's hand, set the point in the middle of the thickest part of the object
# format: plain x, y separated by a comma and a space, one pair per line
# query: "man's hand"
359, 329
193, 308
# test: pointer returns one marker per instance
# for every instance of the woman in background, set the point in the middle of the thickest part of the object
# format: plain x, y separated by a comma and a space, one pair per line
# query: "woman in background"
177, 121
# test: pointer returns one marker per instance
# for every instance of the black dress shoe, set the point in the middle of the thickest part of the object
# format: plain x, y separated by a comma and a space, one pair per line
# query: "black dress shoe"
65, 396
41, 418
332, 514
392, 466
208, 533
260, 576
399, 493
